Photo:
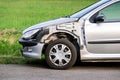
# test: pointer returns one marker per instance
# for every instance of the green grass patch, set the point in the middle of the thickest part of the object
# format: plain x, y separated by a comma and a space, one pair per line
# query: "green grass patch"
19, 60
16, 15
20, 14
9, 42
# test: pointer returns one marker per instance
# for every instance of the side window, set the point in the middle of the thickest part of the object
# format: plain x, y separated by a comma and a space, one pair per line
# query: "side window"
111, 13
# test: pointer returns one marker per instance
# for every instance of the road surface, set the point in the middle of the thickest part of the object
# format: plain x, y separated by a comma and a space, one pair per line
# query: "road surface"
86, 71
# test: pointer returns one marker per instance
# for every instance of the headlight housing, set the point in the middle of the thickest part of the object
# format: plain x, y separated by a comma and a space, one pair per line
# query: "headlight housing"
29, 34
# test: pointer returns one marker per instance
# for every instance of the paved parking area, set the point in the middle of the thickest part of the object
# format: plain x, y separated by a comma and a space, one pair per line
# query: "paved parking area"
87, 71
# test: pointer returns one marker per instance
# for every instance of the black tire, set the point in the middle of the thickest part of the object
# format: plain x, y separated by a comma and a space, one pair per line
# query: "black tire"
65, 54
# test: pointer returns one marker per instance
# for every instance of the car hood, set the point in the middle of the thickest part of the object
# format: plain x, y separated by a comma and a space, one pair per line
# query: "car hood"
49, 23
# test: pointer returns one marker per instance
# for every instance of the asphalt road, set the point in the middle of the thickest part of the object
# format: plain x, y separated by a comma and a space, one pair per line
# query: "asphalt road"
86, 71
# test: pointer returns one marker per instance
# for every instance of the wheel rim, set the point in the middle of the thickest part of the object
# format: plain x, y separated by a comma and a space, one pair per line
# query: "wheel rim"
60, 55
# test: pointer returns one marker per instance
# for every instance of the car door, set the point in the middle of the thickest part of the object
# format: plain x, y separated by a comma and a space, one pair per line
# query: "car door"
102, 31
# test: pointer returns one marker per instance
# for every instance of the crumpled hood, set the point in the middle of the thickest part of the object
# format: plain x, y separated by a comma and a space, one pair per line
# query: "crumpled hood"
49, 23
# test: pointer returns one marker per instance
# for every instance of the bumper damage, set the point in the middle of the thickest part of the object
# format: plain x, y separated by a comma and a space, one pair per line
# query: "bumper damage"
31, 49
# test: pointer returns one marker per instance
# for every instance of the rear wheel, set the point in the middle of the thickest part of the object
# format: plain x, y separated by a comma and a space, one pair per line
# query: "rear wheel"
61, 54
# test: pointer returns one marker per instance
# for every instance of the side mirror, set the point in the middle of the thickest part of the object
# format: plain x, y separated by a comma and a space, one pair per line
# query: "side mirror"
99, 19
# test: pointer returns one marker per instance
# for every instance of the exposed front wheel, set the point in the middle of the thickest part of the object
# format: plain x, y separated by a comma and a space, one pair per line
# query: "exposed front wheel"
61, 54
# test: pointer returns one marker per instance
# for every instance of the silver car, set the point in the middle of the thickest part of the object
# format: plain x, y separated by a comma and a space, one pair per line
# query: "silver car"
90, 35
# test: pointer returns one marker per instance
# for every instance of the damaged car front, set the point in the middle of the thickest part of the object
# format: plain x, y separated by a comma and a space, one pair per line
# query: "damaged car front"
32, 47
33, 40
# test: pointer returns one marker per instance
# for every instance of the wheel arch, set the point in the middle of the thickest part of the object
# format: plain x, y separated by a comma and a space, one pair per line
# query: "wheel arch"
61, 34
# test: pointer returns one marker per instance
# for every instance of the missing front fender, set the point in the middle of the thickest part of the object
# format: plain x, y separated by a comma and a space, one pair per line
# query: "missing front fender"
41, 34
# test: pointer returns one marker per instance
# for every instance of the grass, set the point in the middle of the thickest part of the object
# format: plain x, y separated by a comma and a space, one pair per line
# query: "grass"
16, 15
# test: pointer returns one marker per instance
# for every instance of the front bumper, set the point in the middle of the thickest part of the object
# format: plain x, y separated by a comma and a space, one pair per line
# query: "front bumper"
31, 49
27, 42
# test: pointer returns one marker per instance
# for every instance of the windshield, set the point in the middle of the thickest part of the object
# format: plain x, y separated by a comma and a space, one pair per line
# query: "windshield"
88, 9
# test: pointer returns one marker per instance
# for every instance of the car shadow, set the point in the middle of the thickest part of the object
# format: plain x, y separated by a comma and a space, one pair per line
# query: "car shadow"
98, 64
43, 64
36, 63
